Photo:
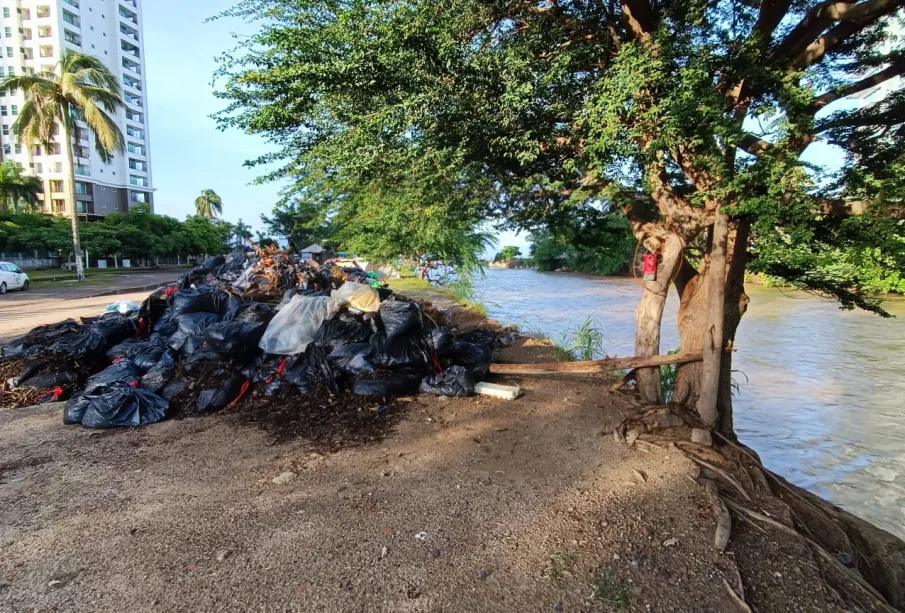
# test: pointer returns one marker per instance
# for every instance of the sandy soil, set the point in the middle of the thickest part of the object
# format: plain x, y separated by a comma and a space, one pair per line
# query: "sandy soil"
471, 504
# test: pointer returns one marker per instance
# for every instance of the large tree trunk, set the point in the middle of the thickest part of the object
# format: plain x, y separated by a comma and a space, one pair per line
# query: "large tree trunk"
649, 315
713, 333
73, 215
693, 325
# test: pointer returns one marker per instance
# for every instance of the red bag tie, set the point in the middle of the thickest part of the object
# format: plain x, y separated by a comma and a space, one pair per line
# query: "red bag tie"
241, 393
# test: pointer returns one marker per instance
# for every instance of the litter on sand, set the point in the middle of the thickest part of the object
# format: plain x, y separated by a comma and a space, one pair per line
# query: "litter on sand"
289, 340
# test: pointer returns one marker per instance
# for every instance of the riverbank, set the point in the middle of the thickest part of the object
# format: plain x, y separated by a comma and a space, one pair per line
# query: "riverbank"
467, 504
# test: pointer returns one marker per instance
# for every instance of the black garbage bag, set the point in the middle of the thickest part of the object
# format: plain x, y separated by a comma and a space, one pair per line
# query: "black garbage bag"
152, 309
336, 332
194, 324
268, 367
236, 339
476, 357
167, 325
400, 318
143, 353
122, 373
216, 398
14, 350
80, 344
440, 340
389, 383
157, 378
398, 352
199, 300
209, 265
124, 407
251, 312
47, 380
455, 381
352, 359
75, 409
114, 328
319, 370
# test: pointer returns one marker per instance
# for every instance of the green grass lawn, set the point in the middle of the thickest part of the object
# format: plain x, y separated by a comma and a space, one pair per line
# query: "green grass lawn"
49, 274
414, 285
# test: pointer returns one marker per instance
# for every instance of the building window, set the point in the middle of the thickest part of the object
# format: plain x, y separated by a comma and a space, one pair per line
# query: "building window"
45, 31
127, 80
43, 11
139, 197
138, 165
81, 206
25, 14
53, 149
26, 33
46, 51
59, 206
132, 99
7, 150
56, 185
28, 54
139, 181
5, 130
9, 52
11, 71
81, 188
136, 148
74, 3
39, 168
17, 148
135, 132
6, 12
58, 167
71, 19
72, 37
133, 116
82, 170
3, 111
14, 109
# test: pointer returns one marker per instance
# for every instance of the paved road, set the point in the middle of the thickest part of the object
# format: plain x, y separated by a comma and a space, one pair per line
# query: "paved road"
22, 311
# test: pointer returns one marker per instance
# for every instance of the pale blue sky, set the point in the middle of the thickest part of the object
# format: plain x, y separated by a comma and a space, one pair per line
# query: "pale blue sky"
188, 153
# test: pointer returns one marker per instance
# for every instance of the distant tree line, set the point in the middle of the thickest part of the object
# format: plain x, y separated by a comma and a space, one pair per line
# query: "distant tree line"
137, 234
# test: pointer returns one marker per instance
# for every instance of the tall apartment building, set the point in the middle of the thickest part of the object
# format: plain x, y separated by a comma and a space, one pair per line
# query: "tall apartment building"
33, 35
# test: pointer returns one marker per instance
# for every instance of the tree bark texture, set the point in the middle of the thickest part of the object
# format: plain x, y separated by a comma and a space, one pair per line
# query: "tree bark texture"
73, 215
649, 314
693, 327
713, 331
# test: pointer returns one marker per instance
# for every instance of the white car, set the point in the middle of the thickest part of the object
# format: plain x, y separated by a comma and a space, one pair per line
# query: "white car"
12, 277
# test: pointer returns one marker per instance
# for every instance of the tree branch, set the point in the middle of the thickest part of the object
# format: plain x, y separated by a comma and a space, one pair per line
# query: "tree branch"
640, 18
896, 68
853, 19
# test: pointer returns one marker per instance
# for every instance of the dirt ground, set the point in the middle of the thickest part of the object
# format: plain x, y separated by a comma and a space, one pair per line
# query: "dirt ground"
470, 504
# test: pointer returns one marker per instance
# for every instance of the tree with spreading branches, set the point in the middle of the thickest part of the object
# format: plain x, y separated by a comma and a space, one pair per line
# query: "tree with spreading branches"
690, 119
80, 90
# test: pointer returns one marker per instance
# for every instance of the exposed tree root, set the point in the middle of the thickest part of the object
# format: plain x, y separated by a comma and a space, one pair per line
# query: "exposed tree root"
861, 563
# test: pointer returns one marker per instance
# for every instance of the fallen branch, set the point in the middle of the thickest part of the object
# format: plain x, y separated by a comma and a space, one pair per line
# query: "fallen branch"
594, 366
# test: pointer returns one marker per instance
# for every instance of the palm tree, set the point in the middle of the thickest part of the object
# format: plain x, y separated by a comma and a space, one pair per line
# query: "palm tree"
16, 188
242, 231
208, 204
80, 90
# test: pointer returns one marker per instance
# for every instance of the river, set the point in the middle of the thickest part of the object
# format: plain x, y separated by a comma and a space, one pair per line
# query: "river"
821, 391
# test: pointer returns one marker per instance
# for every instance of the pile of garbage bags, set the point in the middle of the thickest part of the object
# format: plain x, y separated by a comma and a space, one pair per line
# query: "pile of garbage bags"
231, 329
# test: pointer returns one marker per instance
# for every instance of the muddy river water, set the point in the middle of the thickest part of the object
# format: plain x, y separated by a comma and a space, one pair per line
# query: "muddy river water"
821, 391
